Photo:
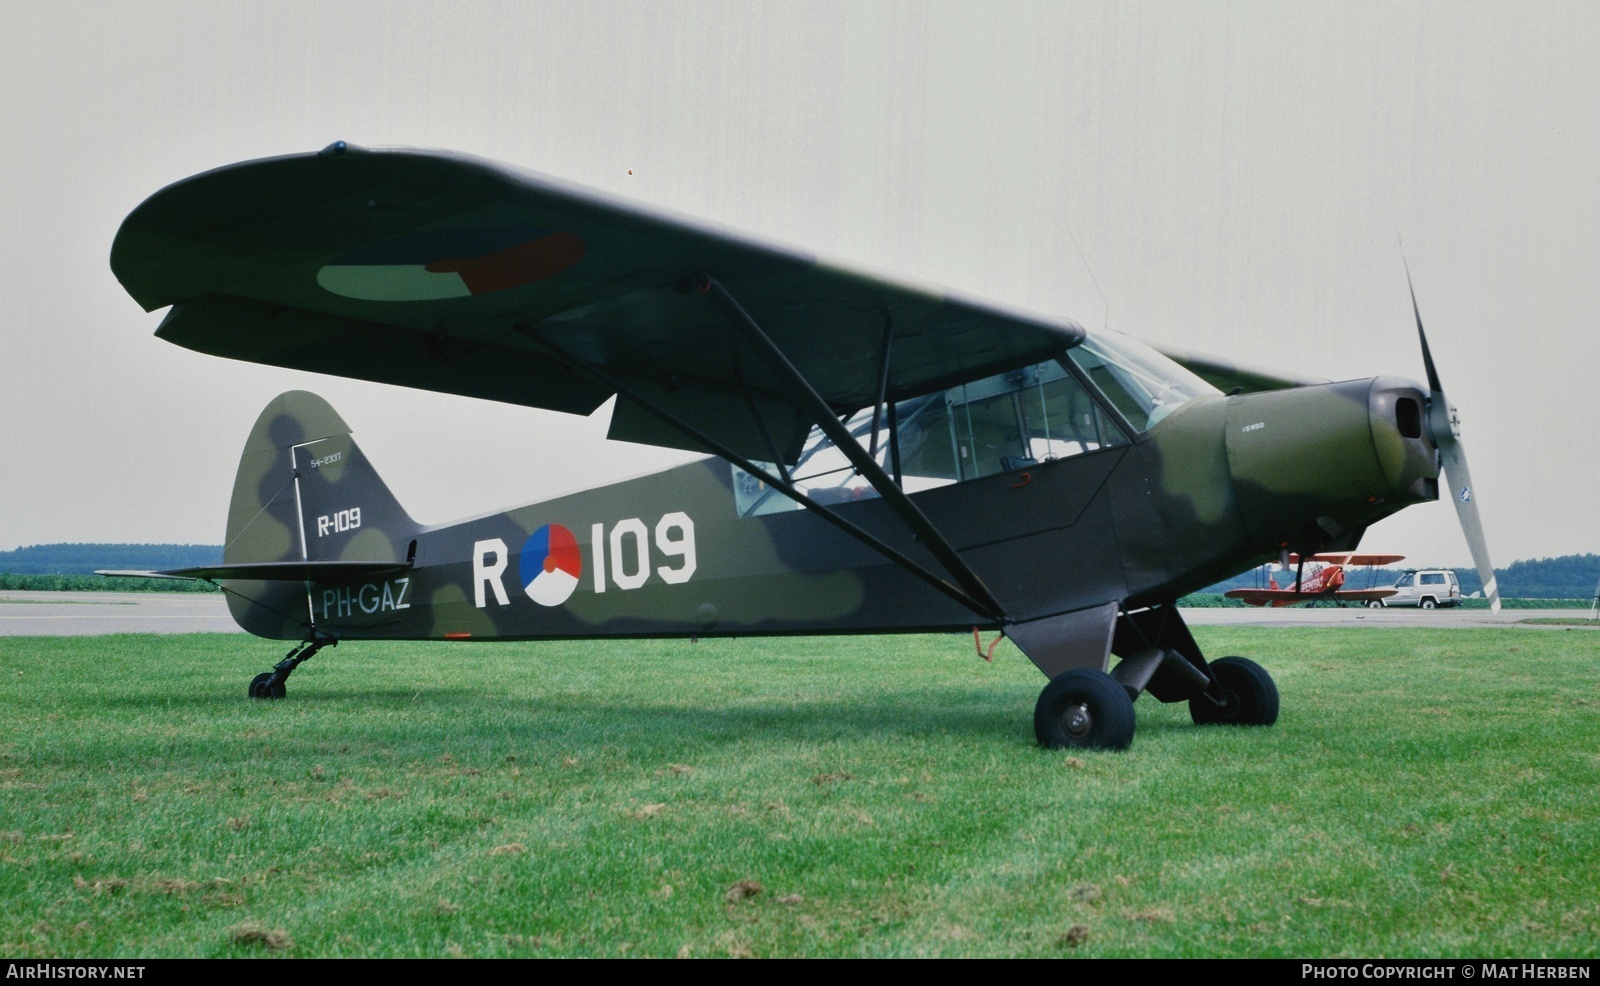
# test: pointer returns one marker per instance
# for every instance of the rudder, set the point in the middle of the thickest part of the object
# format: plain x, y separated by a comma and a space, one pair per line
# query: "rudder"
305, 491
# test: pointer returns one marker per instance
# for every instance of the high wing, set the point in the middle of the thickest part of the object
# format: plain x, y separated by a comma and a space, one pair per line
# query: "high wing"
1230, 376
448, 273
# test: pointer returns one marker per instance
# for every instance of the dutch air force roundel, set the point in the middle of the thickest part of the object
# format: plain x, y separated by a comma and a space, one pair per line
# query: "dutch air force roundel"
550, 565
451, 263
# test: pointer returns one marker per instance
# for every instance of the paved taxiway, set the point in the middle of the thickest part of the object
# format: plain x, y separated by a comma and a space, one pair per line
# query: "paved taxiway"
77, 614
71, 614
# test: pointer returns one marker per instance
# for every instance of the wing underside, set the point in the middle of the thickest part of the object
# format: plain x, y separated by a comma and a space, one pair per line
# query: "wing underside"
452, 274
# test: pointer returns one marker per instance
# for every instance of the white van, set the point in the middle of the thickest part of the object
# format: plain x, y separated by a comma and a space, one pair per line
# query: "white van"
1425, 589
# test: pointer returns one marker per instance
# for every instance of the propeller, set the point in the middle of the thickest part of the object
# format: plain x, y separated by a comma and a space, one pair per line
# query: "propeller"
1445, 425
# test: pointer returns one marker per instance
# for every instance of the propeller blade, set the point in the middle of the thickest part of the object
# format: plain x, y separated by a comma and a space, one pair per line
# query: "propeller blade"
1454, 459
1446, 428
1427, 354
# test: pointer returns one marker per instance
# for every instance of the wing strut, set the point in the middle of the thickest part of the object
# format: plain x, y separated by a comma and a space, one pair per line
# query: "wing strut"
761, 423
781, 485
883, 392
845, 442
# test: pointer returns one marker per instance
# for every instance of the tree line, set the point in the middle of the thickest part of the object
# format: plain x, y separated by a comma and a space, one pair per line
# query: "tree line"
84, 559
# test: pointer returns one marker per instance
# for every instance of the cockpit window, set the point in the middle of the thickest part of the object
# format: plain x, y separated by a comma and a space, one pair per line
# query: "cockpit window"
1038, 414
1004, 423
1143, 384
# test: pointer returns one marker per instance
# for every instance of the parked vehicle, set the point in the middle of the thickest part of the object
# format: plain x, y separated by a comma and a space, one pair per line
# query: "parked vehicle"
1425, 589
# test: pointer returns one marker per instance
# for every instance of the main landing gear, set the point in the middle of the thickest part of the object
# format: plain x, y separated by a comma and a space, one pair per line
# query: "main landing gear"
270, 684
1085, 707
1249, 697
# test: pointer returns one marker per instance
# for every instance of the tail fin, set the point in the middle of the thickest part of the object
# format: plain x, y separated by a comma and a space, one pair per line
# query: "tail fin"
305, 492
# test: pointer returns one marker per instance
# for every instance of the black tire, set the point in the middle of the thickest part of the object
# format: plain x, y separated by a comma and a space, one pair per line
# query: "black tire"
1426, 604
1374, 603
1252, 696
1084, 709
259, 689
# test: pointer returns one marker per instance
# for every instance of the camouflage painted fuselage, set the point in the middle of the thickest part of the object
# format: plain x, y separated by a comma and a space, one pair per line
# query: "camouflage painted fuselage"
1219, 485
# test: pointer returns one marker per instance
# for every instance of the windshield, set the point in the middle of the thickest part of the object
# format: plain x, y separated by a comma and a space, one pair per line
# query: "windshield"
1143, 384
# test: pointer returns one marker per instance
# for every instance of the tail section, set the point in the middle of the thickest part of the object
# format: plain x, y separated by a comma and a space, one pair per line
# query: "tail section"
305, 493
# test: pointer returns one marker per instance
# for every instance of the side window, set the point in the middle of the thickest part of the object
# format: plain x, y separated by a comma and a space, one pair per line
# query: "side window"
927, 442
1433, 578
1404, 581
987, 427
1034, 415
1062, 419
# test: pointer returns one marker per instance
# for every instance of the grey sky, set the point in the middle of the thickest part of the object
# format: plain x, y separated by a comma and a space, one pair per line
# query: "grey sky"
1236, 175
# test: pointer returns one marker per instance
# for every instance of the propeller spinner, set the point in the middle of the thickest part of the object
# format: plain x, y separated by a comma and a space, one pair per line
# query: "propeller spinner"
1445, 426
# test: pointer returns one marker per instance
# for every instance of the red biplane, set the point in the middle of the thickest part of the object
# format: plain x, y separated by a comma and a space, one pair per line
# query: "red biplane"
1325, 582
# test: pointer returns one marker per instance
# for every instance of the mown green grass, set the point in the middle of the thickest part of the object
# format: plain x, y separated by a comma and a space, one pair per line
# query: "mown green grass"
1425, 793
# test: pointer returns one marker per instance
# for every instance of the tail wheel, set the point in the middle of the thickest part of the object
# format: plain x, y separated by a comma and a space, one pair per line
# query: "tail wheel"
1083, 708
1252, 698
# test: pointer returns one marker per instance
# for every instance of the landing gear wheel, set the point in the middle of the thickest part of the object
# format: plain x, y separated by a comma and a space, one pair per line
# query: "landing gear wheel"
1084, 709
1374, 603
1252, 697
259, 687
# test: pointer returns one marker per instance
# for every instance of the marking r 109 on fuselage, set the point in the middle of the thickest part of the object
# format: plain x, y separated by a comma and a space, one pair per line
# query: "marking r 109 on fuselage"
620, 557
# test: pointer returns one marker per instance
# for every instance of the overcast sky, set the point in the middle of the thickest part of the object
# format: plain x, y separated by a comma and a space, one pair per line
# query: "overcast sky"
1235, 175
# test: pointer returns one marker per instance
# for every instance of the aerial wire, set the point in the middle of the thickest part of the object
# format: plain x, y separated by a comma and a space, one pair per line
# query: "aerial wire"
1105, 305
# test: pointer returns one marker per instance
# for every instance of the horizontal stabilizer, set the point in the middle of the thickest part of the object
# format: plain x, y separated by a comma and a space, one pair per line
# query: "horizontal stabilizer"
276, 571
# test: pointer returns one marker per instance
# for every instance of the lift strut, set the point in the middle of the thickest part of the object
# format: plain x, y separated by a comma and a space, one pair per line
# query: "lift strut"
991, 613
847, 443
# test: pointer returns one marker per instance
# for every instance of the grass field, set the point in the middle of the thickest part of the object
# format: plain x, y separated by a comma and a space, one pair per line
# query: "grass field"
1425, 793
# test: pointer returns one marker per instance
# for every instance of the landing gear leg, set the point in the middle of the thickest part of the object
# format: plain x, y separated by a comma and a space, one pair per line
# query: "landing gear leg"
270, 684
1160, 656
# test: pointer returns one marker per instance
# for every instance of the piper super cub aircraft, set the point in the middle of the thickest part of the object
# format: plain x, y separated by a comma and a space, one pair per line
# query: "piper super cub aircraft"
890, 459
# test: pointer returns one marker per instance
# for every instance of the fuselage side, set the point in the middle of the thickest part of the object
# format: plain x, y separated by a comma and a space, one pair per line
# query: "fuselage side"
1193, 500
